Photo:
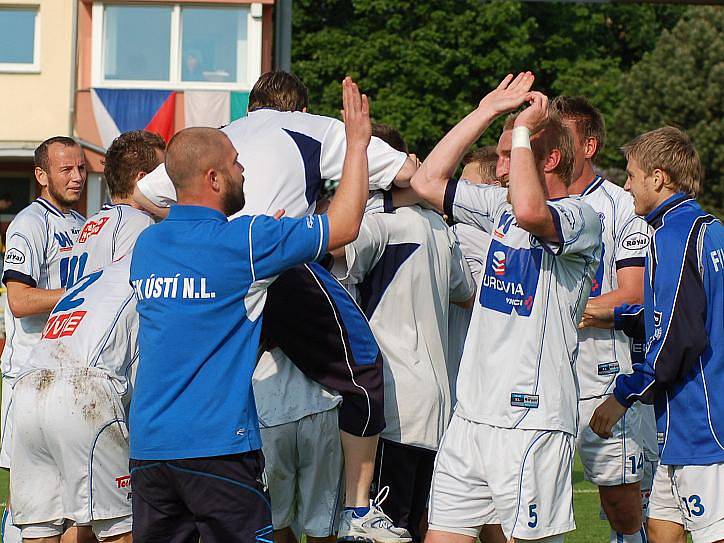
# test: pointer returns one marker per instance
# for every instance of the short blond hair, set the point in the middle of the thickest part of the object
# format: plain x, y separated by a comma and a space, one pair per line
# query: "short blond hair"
551, 134
670, 150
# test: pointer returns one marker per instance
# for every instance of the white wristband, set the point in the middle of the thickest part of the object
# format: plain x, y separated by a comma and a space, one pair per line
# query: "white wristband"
521, 137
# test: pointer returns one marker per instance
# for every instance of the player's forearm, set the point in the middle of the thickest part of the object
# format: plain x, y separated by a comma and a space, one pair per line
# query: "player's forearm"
619, 297
527, 195
25, 301
431, 178
402, 179
347, 207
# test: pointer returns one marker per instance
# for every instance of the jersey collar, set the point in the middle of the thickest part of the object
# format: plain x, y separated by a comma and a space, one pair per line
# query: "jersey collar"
194, 213
50, 207
656, 216
593, 185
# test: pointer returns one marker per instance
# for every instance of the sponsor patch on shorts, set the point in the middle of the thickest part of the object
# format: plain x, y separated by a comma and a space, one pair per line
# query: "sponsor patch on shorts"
524, 400
608, 368
660, 438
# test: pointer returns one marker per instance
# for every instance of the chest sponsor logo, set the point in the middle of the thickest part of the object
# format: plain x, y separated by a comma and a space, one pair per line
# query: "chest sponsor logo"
506, 220
635, 241
717, 259
608, 368
529, 401
63, 324
14, 256
92, 228
65, 242
511, 279
187, 288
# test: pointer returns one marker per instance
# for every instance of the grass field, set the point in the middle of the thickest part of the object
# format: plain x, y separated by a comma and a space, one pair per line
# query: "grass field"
585, 498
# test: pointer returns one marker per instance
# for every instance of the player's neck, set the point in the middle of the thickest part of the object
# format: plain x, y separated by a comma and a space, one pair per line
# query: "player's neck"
125, 201
586, 178
45, 195
555, 188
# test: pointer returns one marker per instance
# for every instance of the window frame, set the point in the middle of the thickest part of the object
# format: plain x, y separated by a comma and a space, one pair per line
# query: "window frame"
25, 67
174, 82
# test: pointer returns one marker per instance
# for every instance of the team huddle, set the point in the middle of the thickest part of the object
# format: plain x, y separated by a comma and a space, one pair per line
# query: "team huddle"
225, 353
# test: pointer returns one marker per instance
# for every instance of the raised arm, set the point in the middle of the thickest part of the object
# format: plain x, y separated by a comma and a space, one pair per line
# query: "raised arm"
345, 211
525, 188
431, 178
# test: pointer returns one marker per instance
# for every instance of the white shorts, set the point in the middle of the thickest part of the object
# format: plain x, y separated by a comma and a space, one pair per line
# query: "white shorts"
304, 464
691, 496
6, 422
521, 479
618, 460
70, 450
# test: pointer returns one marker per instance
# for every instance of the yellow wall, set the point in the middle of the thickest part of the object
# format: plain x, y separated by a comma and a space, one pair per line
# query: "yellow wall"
36, 106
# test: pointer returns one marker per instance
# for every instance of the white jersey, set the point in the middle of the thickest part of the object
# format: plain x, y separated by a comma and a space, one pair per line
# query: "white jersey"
286, 158
518, 366
602, 354
38, 253
408, 267
283, 394
95, 325
474, 244
107, 236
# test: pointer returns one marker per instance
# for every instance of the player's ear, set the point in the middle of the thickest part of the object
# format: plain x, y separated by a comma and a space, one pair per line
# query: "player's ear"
660, 179
214, 180
552, 161
591, 146
41, 176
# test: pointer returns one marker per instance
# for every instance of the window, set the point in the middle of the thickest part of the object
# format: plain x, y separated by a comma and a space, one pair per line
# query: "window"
170, 46
19, 39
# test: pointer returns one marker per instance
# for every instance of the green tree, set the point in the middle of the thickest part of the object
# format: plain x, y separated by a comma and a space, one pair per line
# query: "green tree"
680, 83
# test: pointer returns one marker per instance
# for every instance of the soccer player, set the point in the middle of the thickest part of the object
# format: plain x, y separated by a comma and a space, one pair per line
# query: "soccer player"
112, 232
479, 166
200, 331
37, 261
682, 320
287, 154
507, 456
302, 450
407, 267
70, 442
615, 465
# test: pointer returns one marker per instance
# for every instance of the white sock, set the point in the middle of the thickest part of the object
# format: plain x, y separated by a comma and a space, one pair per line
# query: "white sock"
10, 532
638, 537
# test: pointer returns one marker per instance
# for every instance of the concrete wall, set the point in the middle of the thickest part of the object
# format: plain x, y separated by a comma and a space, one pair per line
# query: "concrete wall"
35, 106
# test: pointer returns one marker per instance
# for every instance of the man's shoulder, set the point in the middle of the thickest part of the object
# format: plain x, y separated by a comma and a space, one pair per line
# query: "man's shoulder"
30, 218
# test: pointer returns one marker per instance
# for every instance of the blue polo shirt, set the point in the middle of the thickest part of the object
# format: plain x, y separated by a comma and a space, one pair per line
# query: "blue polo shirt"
199, 281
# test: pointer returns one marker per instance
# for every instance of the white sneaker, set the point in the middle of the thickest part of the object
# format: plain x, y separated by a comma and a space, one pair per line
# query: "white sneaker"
374, 527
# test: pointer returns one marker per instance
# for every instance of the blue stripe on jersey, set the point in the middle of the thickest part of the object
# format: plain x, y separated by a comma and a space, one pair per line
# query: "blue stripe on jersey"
311, 151
381, 275
361, 340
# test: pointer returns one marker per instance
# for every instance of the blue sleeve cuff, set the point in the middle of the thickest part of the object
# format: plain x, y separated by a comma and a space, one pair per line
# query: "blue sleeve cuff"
554, 248
324, 241
619, 391
13, 275
639, 262
449, 199
388, 205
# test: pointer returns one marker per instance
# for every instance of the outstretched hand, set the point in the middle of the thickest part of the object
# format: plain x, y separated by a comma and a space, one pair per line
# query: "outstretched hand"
536, 113
596, 315
510, 94
356, 114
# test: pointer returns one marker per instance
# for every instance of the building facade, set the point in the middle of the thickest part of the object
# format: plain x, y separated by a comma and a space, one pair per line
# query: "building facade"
94, 69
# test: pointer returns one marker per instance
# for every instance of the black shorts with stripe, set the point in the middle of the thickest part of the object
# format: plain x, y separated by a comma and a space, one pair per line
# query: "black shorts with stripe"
312, 318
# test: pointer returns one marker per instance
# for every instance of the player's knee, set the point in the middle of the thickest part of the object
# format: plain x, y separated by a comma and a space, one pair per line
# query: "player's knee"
623, 509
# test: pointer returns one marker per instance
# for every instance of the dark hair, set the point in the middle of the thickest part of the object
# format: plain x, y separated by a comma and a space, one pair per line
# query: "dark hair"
391, 136
589, 120
279, 90
41, 152
486, 159
129, 154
